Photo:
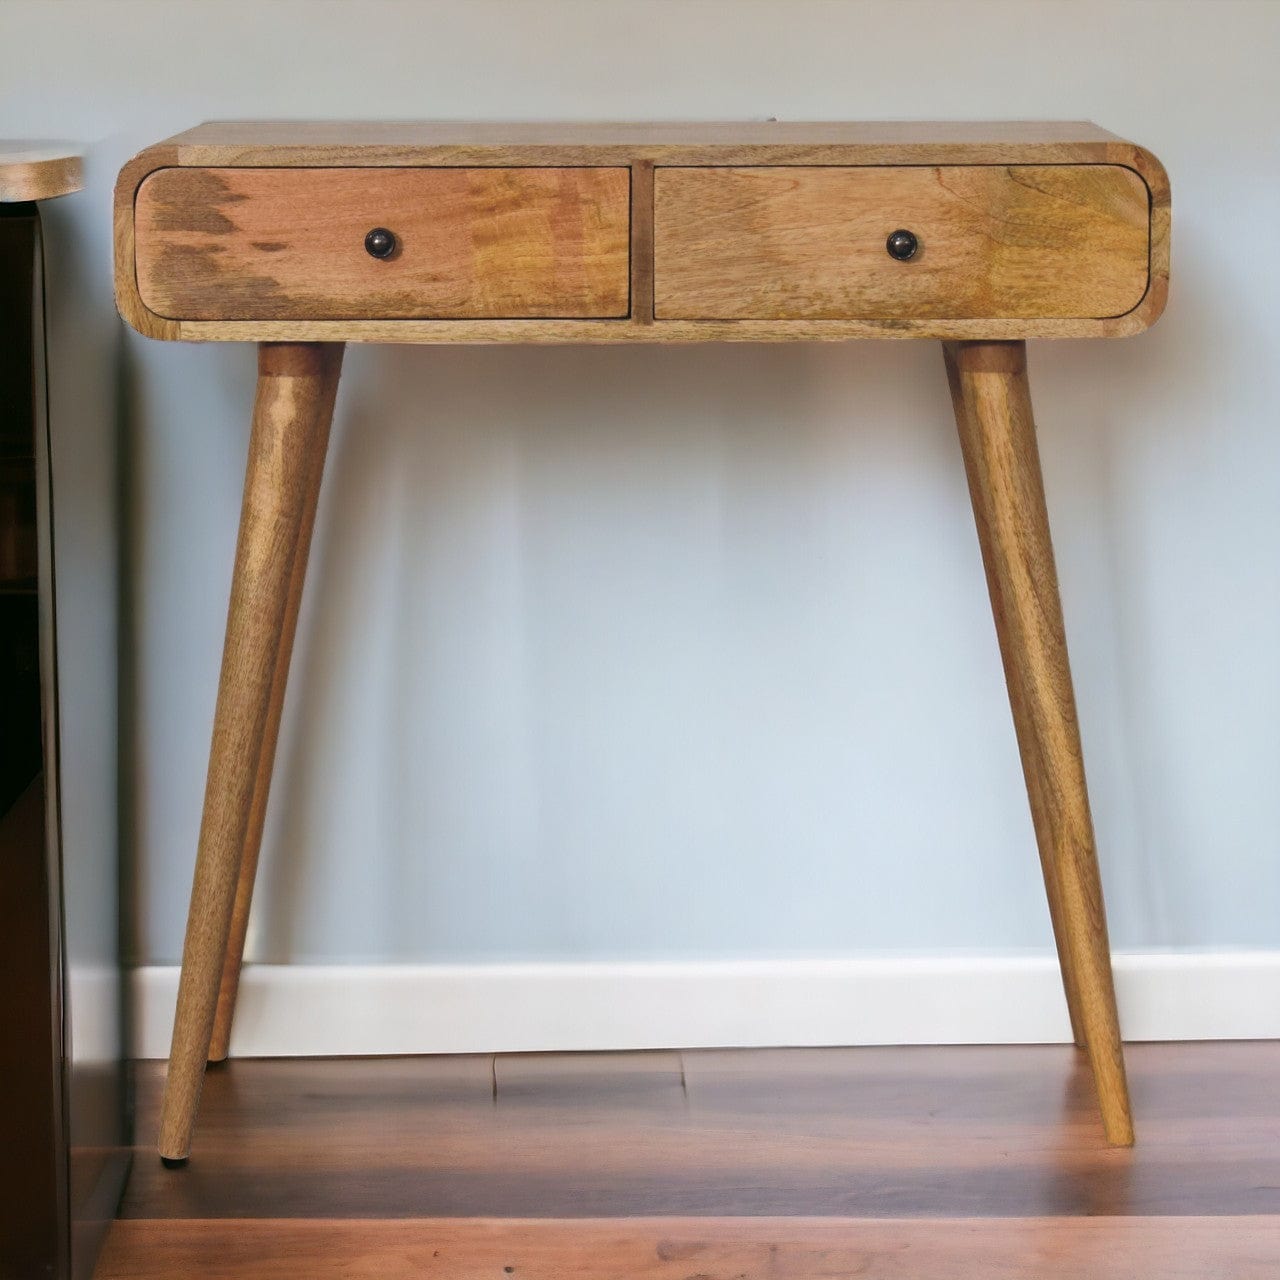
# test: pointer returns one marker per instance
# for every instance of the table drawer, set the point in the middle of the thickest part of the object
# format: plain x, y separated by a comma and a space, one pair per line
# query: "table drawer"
470, 243
809, 243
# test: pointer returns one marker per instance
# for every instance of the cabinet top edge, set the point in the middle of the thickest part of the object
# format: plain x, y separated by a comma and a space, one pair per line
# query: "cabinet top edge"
501, 134
38, 170
320, 144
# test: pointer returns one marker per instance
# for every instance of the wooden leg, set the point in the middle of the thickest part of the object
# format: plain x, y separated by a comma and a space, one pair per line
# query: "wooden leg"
220, 1044
997, 435
292, 411
1027, 746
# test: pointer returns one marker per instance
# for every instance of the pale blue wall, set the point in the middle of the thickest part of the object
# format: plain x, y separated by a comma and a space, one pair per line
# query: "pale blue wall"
641, 652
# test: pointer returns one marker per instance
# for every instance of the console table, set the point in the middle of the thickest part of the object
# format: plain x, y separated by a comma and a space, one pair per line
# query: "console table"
302, 237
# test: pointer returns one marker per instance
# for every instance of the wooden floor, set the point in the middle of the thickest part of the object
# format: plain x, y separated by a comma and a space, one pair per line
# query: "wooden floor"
888, 1164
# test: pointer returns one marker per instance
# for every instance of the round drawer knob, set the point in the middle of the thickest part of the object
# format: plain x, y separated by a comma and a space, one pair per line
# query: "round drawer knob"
901, 245
380, 243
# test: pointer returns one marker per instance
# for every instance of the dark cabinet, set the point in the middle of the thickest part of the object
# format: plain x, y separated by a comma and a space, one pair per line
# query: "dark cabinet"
63, 1136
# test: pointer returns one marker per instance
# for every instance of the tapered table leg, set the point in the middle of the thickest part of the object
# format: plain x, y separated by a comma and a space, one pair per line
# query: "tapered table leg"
292, 412
220, 1044
1040, 816
992, 402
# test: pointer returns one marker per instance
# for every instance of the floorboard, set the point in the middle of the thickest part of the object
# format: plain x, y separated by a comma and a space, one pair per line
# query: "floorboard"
783, 1164
699, 1249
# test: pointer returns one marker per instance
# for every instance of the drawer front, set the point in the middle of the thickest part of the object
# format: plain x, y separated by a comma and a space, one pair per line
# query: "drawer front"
470, 243
808, 243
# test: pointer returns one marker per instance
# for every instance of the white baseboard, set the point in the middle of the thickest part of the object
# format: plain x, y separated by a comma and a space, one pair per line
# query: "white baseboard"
305, 1010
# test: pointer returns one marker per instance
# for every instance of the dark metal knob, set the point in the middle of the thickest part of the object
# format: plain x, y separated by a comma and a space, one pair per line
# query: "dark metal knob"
901, 245
380, 243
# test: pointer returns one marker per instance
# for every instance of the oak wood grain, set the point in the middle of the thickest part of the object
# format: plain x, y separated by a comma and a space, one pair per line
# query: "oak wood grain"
808, 243
291, 418
699, 1249
399, 145
281, 244
992, 402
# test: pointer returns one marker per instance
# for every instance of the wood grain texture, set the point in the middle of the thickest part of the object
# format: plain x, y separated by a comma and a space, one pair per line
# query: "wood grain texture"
281, 244
642, 172
700, 1249
992, 402
808, 243
1041, 811
220, 1042
291, 418
249, 142
372, 144
38, 170
920, 1132
922, 1162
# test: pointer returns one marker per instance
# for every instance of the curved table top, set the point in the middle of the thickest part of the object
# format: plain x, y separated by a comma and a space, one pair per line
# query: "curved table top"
38, 170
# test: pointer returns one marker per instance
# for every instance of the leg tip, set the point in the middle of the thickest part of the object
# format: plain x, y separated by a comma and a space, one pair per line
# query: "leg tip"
174, 1162
1118, 1129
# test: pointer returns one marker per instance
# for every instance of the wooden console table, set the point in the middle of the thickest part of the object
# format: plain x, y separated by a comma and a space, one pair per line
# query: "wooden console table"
302, 237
